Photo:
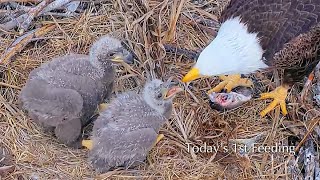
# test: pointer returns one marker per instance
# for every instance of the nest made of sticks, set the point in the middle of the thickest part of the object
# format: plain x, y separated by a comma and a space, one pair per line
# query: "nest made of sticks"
146, 26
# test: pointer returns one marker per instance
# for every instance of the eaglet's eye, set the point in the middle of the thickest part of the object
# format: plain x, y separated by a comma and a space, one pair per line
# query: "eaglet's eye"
111, 54
159, 95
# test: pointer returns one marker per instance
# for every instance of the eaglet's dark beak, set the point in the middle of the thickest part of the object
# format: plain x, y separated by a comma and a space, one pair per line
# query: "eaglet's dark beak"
123, 56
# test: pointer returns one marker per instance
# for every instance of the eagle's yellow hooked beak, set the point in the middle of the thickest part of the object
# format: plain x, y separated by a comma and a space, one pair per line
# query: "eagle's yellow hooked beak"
193, 74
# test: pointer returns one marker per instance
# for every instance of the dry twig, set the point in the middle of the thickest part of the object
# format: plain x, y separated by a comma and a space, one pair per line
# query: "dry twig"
24, 20
30, 1
173, 20
33, 13
309, 159
54, 5
22, 41
6, 169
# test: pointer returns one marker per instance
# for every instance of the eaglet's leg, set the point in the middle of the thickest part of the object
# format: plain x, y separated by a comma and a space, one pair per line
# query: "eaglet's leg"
231, 81
69, 132
88, 143
102, 107
279, 96
143, 141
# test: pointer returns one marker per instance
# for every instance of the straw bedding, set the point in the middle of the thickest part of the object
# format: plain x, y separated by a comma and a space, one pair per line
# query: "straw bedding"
146, 26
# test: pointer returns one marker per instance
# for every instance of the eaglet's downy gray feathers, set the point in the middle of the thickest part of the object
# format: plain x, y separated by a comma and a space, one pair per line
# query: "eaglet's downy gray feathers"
62, 95
124, 133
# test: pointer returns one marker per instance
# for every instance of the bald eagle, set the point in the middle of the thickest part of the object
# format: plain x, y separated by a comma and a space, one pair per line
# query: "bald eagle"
260, 34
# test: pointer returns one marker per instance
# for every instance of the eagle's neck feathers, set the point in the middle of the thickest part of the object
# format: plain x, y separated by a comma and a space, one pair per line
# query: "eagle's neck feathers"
233, 51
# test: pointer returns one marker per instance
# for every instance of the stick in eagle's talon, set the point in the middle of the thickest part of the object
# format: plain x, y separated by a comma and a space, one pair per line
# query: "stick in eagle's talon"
87, 143
102, 107
307, 86
230, 82
279, 95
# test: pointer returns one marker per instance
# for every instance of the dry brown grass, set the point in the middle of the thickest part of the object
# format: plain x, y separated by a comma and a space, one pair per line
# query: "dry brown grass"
146, 25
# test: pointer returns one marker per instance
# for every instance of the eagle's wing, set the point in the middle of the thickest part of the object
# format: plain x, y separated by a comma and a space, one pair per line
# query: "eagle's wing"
275, 21
300, 55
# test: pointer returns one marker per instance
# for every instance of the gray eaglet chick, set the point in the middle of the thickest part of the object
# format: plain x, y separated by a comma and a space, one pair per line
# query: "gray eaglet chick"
62, 95
124, 133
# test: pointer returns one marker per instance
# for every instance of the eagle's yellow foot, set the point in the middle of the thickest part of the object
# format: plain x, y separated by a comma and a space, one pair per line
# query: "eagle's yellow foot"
279, 96
231, 81
87, 143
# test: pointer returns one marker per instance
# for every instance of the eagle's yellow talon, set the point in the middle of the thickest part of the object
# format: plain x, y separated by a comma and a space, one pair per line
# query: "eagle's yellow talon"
218, 88
266, 95
283, 108
223, 77
230, 82
87, 143
279, 95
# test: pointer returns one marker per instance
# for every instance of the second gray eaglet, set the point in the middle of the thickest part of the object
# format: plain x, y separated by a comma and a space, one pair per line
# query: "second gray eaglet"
125, 132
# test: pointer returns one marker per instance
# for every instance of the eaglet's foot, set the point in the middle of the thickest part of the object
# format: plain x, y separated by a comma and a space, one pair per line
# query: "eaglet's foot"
87, 143
231, 81
102, 107
159, 137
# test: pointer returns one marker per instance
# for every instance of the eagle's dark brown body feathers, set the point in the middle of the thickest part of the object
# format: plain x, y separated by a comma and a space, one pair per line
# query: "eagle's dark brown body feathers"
289, 31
